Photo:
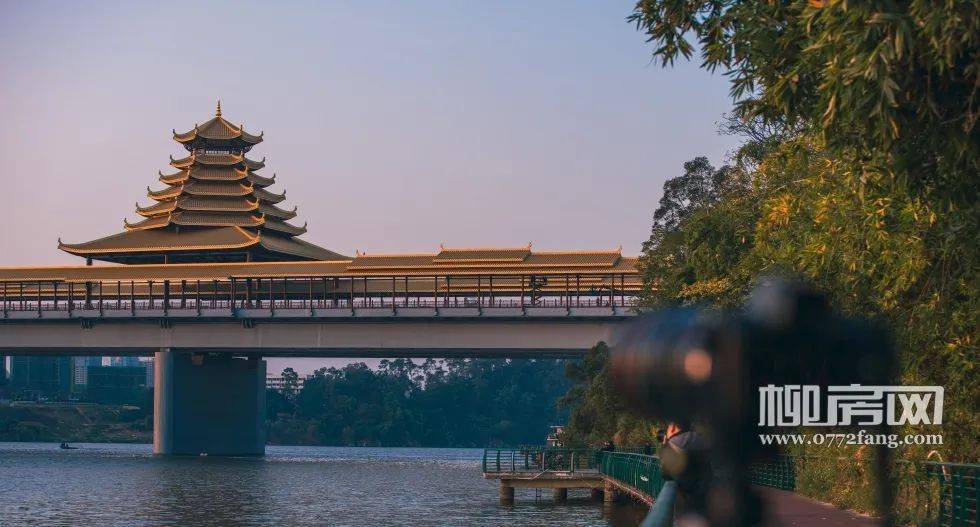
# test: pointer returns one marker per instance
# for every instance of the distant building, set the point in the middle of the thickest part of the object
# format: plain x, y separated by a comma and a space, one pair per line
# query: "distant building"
116, 384
148, 364
3, 370
125, 362
278, 383
34, 377
80, 370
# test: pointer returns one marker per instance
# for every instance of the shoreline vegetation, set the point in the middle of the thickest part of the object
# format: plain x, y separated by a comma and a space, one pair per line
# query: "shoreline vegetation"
435, 403
74, 423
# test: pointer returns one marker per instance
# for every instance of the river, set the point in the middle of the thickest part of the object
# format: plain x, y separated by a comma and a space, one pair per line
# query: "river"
117, 484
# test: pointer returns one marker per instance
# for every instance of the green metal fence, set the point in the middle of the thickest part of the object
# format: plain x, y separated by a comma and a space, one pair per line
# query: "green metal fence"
959, 492
942, 494
779, 473
538, 459
636, 470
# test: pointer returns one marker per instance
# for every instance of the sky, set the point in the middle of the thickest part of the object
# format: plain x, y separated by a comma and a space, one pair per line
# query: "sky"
393, 126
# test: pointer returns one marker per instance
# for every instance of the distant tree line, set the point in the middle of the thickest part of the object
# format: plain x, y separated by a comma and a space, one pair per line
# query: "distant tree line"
435, 403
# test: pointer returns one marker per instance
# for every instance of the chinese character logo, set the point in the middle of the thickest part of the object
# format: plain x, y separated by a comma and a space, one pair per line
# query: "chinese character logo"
802, 405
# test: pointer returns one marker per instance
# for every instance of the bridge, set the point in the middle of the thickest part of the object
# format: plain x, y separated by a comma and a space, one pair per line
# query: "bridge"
209, 325
215, 277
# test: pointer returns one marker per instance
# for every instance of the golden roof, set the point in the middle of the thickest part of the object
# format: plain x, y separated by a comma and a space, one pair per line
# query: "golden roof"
325, 263
205, 219
218, 129
270, 197
271, 210
217, 203
216, 188
237, 160
158, 208
149, 223
284, 227
504, 260
195, 239
167, 193
506, 254
160, 240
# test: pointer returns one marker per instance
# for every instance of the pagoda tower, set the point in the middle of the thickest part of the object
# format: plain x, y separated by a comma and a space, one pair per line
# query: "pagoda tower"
214, 208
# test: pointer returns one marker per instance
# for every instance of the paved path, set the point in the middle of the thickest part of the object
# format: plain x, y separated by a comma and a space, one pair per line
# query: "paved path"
791, 509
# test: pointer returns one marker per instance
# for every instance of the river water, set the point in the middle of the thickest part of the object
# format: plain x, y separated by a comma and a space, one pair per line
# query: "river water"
114, 484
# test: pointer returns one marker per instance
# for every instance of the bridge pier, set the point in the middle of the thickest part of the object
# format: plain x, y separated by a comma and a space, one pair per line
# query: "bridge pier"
610, 493
208, 404
506, 492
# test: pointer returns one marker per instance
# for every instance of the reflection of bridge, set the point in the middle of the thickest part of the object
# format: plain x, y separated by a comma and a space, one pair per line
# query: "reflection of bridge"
209, 325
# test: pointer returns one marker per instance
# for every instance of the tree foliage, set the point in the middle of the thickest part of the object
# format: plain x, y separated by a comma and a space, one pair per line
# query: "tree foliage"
897, 80
471, 403
597, 412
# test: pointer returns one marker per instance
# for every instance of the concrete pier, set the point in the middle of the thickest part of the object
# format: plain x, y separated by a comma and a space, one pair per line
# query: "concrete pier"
559, 482
506, 493
610, 493
208, 404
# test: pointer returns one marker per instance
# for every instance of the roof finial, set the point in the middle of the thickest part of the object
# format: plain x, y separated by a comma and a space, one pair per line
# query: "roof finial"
217, 112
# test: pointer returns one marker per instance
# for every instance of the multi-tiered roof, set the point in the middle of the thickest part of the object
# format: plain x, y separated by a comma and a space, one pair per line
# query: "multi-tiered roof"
214, 208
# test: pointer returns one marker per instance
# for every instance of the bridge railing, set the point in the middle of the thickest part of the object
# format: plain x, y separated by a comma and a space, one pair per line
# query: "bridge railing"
639, 471
539, 459
569, 290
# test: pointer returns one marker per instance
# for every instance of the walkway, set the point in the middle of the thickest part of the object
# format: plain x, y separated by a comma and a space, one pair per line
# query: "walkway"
790, 509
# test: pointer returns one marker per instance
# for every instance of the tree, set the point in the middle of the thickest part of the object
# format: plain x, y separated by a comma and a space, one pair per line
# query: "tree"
701, 229
454, 402
895, 80
290, 382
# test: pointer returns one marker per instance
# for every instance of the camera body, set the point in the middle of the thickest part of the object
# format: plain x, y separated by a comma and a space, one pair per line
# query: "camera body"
707, 366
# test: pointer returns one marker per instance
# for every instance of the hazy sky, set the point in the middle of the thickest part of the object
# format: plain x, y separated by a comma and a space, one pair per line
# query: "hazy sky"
394, 126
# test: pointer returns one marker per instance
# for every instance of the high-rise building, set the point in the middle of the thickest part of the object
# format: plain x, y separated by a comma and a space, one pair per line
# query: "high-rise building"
3, 370
125, 362
116, 384
80, 370
41, 377
149, 364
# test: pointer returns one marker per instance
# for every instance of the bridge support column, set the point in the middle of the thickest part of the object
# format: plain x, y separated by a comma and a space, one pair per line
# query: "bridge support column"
208, 404
506, 492
560, 495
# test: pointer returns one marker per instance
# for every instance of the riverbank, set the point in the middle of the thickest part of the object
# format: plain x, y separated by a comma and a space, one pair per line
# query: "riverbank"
88, 423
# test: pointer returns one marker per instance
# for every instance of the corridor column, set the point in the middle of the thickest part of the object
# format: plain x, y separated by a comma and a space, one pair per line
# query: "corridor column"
208, 404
